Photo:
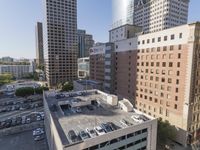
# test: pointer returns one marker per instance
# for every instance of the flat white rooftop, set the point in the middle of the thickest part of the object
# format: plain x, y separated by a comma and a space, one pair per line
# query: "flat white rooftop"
81, 110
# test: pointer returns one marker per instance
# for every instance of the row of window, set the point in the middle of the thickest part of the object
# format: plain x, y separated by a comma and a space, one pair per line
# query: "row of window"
113, 141
159, 39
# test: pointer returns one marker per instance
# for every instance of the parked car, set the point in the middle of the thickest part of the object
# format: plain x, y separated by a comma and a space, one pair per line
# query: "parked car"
38, 131
38, 137
91, 132
78, 110
84, 135
113, 126
99, 130
59, 96
72, 135
18, 120
38, 118
106, 127
28, 120
90, 107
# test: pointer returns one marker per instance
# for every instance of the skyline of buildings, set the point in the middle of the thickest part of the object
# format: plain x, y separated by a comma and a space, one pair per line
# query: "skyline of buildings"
60, 41
152, 61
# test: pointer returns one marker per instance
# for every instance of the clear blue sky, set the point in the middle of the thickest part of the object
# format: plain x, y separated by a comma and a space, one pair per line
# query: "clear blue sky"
18, 18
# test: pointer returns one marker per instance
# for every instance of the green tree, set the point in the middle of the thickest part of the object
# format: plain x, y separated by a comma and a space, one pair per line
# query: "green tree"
6, 78
41, 89
68, 86
24, 92
165, 132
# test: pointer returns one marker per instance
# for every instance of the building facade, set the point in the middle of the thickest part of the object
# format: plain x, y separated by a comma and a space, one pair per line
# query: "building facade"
83, 68
128, 128
123, 12
60, 41
158, 73
85, 42
18, 71
39, 44
6, 59
157, 15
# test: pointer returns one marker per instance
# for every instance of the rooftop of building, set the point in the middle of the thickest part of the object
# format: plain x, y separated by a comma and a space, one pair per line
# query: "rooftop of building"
88, 82
78, 111
128, 25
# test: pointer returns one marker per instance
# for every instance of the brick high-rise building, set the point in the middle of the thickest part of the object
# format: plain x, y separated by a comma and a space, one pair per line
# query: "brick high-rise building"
159, 73
60, 44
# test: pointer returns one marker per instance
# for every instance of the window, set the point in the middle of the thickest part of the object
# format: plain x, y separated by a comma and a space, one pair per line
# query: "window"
153, 40
164, 64
177, 81
171, 48
165, 38
180, 35
179, 47
176, 98
178, 64
148, 41
175, 106
172, 37
170, 64
178, 73
169, 88
157, 64
169, 80
159, 39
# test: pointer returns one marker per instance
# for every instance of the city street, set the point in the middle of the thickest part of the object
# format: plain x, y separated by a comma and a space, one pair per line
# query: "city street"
22, 141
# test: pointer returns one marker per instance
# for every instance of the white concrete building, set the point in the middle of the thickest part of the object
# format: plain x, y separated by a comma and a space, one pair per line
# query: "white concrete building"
17, 71
93, 120
157, 15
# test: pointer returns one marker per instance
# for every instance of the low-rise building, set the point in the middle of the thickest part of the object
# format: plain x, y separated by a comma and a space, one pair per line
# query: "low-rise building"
96, 120
17, 69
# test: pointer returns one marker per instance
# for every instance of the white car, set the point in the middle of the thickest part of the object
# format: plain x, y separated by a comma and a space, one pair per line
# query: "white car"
137, 118
38, 118
91, 132
38, 131
99, 130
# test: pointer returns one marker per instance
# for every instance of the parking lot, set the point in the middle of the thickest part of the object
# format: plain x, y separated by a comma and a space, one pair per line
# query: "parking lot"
18, 111
22, 141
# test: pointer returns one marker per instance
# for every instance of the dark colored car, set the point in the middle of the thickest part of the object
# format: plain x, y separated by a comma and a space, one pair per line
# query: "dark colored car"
90, 107
59, 96
72, 135
106, 127
113, 126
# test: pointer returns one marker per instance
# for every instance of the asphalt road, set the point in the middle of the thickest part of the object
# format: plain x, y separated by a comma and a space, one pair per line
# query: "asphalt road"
22, 141
12, 114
